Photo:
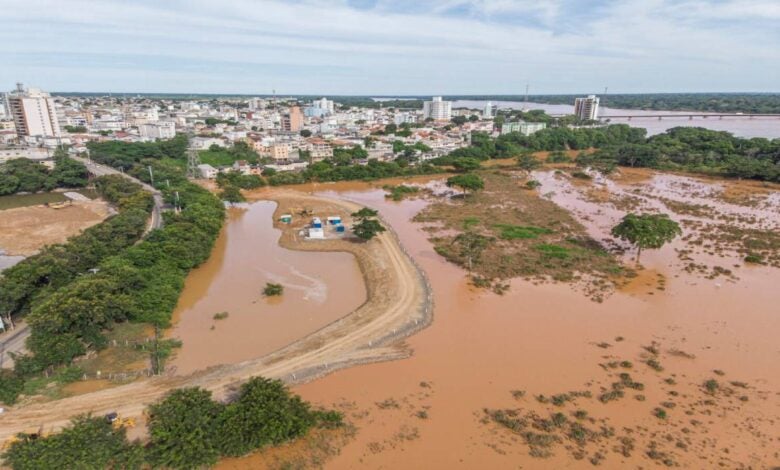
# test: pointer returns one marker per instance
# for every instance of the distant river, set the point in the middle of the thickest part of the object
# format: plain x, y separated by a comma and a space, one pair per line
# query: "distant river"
742, 127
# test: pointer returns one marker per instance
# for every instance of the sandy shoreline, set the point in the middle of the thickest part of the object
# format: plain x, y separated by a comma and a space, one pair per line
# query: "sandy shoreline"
398, 304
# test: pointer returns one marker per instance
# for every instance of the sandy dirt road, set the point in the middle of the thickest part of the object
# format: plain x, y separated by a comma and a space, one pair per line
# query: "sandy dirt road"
398, 303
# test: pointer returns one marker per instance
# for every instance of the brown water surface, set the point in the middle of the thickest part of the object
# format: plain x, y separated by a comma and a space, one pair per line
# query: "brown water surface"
319, 288
543, 339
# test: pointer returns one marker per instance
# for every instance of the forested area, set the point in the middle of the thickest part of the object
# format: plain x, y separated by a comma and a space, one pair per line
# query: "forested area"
72, 293
123, 155
22, 175
681, 148
187, 429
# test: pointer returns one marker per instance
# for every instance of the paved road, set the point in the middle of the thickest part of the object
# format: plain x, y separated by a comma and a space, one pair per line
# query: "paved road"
14, 341
100, 170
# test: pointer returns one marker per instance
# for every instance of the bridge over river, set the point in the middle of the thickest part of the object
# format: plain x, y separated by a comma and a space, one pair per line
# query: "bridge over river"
690, 116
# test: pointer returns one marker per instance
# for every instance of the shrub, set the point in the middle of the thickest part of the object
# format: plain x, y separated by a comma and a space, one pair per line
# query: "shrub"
272, 289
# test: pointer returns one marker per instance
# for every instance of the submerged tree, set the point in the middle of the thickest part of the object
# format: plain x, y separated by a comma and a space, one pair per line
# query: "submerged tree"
647, 230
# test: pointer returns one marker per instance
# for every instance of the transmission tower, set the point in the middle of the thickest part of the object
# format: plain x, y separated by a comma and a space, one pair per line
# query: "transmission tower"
193, 160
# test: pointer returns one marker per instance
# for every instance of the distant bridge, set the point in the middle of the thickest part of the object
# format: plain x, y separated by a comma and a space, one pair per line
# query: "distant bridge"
691, 117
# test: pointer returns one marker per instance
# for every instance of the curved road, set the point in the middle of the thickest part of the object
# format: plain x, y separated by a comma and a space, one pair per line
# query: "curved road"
14, 341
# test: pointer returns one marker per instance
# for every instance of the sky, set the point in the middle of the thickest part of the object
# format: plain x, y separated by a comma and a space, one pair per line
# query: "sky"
391, 47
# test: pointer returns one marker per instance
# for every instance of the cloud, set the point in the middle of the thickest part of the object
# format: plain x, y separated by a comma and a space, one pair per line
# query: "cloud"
391, 47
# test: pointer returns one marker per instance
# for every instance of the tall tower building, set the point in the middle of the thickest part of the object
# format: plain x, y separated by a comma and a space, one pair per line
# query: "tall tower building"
293, 121
587, 109
33, 113
437, 109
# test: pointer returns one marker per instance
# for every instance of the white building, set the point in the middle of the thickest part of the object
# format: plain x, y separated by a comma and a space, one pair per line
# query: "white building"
525, 128
33, 112
437, 109
203, 143
207, 171
587, 109
157, 130
490, 110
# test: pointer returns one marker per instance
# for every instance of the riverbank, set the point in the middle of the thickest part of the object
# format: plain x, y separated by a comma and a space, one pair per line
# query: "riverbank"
398, 304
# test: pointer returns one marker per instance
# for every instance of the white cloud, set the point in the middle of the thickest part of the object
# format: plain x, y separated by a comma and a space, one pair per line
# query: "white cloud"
440, 46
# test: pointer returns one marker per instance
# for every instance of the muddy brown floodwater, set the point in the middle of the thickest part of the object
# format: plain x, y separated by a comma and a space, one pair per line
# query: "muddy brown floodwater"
318, 289
427, 411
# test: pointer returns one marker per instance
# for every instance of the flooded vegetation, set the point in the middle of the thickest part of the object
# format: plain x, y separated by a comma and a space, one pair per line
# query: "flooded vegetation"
633, 382
507, 231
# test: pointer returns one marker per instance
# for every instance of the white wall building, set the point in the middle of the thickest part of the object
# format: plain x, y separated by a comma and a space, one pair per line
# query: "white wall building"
158, 130
33, 112
437, 109
587, 109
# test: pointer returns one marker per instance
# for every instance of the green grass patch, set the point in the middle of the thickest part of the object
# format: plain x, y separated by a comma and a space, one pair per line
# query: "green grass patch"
520, 232
549, 250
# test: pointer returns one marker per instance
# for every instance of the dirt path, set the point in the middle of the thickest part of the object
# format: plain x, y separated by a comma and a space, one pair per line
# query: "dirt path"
399, 303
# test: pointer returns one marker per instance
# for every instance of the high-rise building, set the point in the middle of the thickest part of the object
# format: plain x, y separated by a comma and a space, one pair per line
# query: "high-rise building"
157, 130
293, 121
33, 113
437, 109
587, 109
489, 111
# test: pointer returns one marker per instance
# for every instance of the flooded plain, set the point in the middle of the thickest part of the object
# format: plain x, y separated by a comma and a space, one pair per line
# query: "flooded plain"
486, 351
318, 289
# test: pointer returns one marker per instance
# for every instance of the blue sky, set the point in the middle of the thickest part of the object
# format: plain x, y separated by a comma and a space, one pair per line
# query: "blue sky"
391, 46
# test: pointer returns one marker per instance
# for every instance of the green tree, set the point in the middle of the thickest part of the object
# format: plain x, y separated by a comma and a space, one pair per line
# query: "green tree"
471, 245
232, 194
367, 226
466, 164
467, 182
459, 120
265, 412
528, 162
88, 443
183, 430
305, 133
647, 231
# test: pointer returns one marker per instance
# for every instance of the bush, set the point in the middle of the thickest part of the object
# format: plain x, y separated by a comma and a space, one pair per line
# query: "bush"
272, 289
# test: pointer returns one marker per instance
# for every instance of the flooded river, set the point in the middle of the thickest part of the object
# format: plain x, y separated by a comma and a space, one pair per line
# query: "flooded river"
318, 288
543, 339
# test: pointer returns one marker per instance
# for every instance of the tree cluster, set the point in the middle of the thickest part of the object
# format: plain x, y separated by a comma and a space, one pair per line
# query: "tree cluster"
187, 429
22, 175
123, 155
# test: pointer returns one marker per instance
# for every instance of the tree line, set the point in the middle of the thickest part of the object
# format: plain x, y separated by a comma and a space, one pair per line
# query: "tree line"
69, 308
22, 175
680, 148
187, 429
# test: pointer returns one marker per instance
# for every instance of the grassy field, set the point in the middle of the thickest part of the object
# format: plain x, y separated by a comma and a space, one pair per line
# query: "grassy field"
508, 231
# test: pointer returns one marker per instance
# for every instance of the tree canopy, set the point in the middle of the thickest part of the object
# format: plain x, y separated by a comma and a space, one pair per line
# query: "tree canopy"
647, 230
467, 182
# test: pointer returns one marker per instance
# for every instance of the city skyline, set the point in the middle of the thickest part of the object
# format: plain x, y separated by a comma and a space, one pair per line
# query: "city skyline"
377, 47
